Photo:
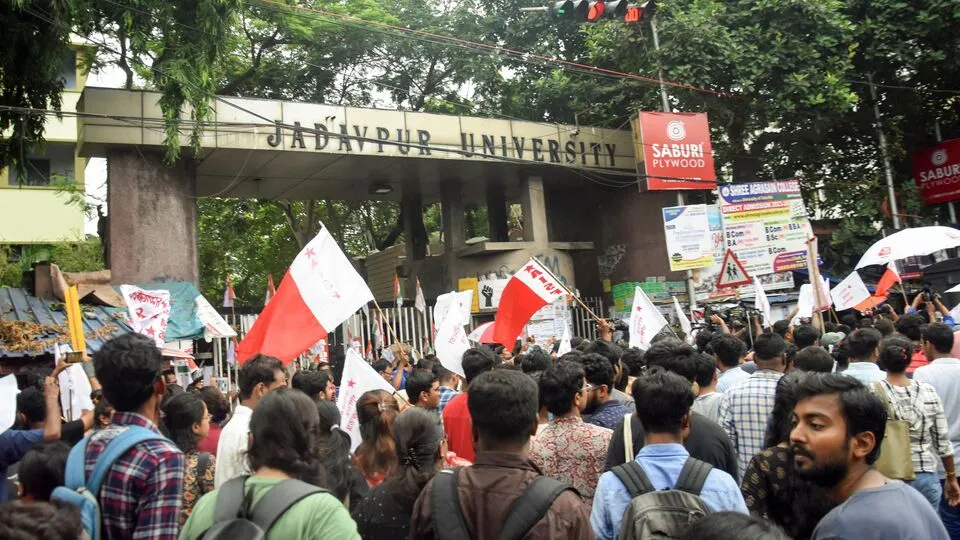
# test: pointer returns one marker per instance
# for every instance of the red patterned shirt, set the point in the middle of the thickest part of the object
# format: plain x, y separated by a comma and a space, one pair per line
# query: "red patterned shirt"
142, 494
572, 451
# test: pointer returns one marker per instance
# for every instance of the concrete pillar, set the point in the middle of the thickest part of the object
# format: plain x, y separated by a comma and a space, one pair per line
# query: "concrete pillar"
411, 203
534, 210
497, 210
153, 218
452, 214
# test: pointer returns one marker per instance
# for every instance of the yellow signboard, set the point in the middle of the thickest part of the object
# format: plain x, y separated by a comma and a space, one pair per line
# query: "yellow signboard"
470, 284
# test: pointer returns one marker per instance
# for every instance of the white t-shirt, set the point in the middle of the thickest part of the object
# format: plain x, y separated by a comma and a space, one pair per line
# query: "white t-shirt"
232, 447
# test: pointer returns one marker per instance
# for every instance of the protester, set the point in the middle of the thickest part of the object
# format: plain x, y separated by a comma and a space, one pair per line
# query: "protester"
256, 379
423, 390
41, 471
535, 360
102, 412
885, 327
729, 352
603, 410
943, 374
664, 410
456, 415
708, 399
142, 492
383, 368
503, 406
338, 474
376, 457
40, 521
634, 362
219, 409
448, 386
836, 440
909, 325
187, 422
917, 403
15, 443
813, 358
733, 526
746, 407
386, 511
863, 346
284, 444
706, 440
318, 385
784, 329
771, 488
612, 353
566, 448
806, 335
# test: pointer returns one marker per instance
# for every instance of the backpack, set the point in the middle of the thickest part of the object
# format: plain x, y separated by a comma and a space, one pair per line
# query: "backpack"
234, 519
662, 514
449, 523
83, 493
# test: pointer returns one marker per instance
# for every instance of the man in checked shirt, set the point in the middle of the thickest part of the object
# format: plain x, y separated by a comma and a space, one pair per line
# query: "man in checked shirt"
142, 493
746, 406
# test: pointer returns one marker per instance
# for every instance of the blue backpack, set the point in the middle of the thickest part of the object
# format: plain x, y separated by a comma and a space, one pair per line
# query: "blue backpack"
83, 492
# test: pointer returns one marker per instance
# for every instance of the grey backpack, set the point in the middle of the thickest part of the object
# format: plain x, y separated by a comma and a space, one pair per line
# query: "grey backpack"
662, 514
236, 518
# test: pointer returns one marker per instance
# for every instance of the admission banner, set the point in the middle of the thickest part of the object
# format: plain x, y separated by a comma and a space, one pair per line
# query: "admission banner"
689, 242
765, 224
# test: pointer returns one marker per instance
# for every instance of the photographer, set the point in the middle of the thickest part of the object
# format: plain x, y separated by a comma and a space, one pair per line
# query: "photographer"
931, 303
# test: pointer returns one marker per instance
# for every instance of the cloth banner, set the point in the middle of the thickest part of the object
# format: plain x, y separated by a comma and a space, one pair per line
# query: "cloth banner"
149, 311
358, 377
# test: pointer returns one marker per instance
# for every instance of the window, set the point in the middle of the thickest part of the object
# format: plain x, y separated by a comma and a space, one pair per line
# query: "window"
68, 71
37, 173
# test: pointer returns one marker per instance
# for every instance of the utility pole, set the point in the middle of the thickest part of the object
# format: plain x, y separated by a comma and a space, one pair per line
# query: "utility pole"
665, 102
950, 207
887, 167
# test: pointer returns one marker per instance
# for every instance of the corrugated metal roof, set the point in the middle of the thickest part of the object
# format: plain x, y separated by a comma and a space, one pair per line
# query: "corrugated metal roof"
18, 305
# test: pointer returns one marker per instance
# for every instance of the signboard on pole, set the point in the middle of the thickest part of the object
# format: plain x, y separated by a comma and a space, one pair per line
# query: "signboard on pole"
689, 242
732, 272
765, 224
675, 150
936, 170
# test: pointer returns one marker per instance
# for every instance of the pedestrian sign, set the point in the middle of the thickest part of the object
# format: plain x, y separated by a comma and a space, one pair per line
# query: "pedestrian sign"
732, 272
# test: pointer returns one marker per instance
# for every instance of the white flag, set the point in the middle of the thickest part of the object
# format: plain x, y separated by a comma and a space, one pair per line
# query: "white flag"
420, 303
358, 377
645, 320
761, 303
451, 340
682, 317
444, 300
8, 402
148, 310
565, 341
849, 292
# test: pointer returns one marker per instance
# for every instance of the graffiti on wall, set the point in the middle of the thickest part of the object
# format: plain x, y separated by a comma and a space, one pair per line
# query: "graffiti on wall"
549, 260
610, 259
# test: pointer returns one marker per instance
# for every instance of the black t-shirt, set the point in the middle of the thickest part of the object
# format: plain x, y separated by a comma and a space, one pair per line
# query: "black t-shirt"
71, 432
707, 442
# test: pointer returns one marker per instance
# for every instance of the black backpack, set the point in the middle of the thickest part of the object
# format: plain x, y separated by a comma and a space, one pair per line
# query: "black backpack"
234, 519
529, 508
662, 514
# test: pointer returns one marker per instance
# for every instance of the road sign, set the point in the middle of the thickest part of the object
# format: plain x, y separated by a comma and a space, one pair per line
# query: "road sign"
732, 272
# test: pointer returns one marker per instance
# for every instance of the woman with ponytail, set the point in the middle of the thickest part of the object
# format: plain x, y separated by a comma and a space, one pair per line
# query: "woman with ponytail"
187, 421
376, 457
918, 403
385, 512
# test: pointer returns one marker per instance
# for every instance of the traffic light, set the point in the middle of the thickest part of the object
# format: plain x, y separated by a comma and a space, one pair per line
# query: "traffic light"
570, 9
641, 13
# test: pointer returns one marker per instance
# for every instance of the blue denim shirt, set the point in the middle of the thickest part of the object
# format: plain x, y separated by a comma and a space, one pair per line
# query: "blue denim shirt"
865, 372
662, 463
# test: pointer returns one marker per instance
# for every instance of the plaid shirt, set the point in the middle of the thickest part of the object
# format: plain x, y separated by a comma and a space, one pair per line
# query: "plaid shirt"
142, 494
446, 394
744, 411
920, 406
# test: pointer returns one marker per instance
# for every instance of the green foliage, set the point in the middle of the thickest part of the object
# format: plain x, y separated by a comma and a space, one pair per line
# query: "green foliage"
84, 256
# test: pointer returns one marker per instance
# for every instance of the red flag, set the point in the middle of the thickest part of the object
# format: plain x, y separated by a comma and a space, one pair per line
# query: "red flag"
530, 288
890, 276
320, 291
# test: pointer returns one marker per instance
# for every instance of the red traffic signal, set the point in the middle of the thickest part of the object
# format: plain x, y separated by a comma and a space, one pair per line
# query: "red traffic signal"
595, 13
638, 14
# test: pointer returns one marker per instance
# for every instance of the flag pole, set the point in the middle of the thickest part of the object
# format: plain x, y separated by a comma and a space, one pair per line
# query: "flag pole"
384, 319
570, 293
906, 303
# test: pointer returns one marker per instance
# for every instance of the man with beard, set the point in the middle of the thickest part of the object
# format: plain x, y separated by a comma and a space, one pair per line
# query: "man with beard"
838, 427
604, 411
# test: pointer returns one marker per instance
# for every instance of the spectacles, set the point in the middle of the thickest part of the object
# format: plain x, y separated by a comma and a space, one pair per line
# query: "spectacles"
590, 388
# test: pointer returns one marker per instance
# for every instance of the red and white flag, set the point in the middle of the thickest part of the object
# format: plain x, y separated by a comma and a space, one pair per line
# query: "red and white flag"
228, 295
149, 311
271, 290
320, 291
420, 303
645, 320
397, 293
358, 377
889, 277
530, 288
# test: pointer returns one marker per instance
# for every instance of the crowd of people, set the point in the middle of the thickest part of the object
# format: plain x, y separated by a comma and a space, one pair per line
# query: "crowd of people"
804, 429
